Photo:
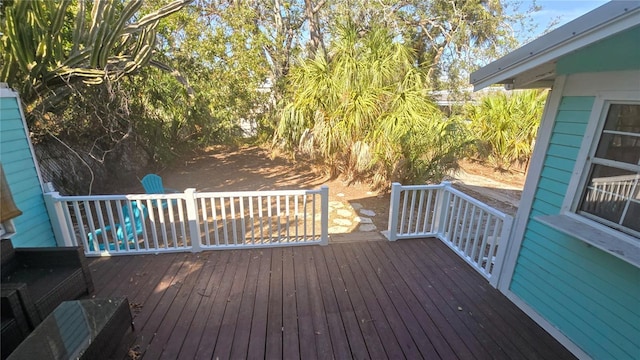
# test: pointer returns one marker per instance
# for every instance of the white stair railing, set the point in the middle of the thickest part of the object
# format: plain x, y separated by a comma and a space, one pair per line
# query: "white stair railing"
188, 221
472, 229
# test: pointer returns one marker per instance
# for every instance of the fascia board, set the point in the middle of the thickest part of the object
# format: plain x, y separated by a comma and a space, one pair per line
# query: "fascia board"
609, 19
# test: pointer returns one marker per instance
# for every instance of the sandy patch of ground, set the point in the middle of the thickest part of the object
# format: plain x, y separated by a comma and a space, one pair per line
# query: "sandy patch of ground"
354, 208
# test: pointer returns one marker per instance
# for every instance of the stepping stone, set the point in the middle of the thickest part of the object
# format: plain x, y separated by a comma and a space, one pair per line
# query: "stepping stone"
338, 229
366, 212
344, 213
336, 204
367, 227
363, 220
356, 206
343, 222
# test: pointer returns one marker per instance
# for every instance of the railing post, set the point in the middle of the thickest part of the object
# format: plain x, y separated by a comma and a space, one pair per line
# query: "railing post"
441, 209
57, 219
193, 219
324, 215
502, 250
394, 209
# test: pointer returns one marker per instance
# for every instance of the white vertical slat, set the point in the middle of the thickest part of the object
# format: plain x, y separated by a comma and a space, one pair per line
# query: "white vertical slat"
234, 225
183, 227
252, 221
205, 220
243, 223
152, 219
419, 216
214, 215
223, 214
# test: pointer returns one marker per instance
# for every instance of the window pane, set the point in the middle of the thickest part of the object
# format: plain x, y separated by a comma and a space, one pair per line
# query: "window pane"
608, 193
620, 140
632, 218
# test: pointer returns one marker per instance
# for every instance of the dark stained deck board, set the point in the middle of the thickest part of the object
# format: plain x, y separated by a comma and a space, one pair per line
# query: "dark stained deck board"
364, 319
391, 315
403, 304
421, 306
306, 332
324, 346
192, 339
189, 313
242, 334
346, 309
500, 308
458, 310
337, 333
290, 340
350, 300
458, 337
162, 309
274, 314
391, 346
214, 321
162, 333
226, 334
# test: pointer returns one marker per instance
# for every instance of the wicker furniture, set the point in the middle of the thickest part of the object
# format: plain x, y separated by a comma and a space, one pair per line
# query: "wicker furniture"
35, 281
15, 326
81, 329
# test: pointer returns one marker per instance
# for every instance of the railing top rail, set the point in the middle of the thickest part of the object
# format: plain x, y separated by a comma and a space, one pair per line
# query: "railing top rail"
181, 195
478, 203
256, 193
117, 197
422, 187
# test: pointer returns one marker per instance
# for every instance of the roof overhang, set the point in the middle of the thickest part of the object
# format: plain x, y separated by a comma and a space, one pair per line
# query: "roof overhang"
534, 64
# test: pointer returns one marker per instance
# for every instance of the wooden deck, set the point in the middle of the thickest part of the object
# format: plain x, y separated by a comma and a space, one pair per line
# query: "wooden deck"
369, 300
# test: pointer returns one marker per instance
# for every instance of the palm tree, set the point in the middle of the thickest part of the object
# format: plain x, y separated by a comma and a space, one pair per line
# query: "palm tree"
506, 126
364, 111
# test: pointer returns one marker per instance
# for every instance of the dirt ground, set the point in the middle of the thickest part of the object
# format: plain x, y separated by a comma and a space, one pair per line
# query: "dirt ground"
253, 168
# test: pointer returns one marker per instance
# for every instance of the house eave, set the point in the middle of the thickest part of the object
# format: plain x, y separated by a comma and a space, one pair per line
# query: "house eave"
536, 60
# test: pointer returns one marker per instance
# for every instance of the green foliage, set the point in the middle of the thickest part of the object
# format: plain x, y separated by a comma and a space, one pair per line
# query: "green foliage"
506, 126
364, 112
49, 46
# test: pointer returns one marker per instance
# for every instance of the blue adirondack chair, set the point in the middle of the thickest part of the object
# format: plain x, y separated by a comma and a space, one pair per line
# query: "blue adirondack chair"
133, 228
152, 184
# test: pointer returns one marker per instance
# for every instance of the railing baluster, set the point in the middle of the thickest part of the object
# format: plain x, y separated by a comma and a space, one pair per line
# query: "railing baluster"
183, 227
260, 216
252, 220
403, 214
242, 221
286, 199
428, 216
172, 224
279, 214
223, 214
214, 215
234, 229
205, 221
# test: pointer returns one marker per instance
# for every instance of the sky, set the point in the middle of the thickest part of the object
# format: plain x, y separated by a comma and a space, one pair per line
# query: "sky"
562, 10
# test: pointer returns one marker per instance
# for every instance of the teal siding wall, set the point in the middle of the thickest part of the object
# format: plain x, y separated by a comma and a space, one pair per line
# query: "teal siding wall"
590, 296
617, 53
32, 227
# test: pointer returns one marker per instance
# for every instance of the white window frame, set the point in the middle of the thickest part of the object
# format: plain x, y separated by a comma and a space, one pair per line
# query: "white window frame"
616, 242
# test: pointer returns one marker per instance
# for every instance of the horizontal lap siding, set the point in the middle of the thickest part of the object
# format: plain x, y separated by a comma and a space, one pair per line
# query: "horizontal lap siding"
32, 227
589, 295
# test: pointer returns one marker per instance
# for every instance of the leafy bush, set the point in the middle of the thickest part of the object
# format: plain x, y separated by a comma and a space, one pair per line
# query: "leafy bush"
364, 112
505, 126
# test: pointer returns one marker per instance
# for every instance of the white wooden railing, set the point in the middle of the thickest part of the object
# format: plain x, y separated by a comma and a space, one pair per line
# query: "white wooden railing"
189, 221
474, 230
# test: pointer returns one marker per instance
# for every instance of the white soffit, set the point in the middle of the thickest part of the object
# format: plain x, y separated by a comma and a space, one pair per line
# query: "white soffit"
533, 64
